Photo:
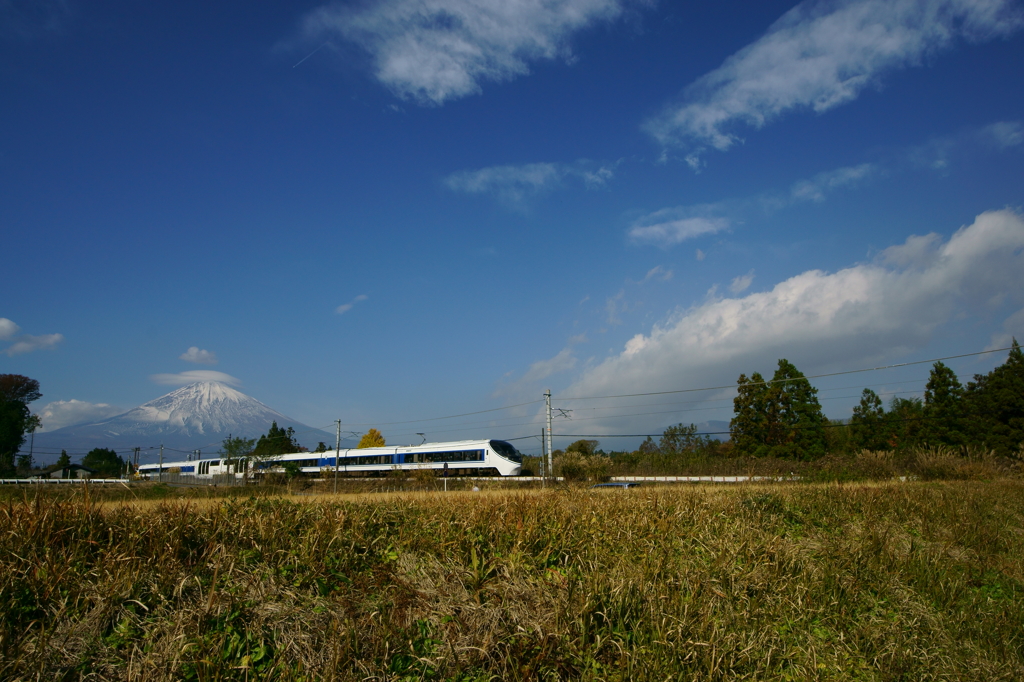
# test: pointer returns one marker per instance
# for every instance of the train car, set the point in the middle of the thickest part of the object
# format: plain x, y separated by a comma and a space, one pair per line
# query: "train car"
463, 458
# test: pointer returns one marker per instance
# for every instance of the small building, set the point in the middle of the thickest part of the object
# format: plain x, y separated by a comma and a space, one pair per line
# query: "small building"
73, 471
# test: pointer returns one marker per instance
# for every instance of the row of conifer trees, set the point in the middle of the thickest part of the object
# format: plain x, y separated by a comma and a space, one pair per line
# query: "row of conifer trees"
782, 417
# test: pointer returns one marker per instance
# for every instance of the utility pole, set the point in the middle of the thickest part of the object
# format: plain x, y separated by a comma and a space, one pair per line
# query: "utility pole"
161, 474
543, 456
550, 471
337, 456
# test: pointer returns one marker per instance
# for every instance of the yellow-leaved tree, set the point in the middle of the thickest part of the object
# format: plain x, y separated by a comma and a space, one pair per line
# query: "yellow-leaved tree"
371, 439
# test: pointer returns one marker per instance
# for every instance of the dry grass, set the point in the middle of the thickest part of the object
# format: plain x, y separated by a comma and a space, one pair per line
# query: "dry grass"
851, 581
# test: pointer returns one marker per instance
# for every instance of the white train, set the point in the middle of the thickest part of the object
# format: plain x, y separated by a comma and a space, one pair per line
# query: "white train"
460, 458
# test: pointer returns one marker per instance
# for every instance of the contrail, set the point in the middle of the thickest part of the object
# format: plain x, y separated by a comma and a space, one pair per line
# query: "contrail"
310, 54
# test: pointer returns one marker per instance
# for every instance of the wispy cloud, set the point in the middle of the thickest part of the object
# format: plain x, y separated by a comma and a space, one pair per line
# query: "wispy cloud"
345, 307
198, 356
671, 226
658, 274
871, 310
564, 361
194, 375
61, 413
742, 283
819, 55
939, 153
25, 343
513, 184
822, 183
432, 51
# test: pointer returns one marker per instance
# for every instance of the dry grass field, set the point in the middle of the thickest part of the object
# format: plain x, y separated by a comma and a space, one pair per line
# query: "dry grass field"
871, 581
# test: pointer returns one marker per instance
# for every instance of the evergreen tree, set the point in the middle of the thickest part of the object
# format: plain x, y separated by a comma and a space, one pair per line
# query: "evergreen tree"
276, 441
905, 422
780, 418
749, 426
995, 405
868, 423
802, 423
105, 462
944, 422
63, 460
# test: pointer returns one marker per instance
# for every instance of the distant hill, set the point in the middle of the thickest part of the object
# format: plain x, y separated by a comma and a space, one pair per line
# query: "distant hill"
196, 416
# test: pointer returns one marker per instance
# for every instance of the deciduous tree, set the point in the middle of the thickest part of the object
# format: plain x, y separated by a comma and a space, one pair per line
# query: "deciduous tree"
371, 439
16, 392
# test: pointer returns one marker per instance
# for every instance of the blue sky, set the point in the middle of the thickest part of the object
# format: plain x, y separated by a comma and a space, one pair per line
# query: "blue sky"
384, 212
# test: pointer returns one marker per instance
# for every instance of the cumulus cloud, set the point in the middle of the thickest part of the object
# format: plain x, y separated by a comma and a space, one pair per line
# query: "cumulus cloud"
671, 226
819, 55
61, 413
201, 357
432, 51
7, 329
345, 307
818, 319
194, 375
513, 184
27, 343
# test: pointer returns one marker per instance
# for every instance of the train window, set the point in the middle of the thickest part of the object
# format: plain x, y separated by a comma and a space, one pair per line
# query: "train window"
506, 450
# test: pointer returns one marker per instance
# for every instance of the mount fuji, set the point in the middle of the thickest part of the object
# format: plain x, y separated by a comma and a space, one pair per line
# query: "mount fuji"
197, 416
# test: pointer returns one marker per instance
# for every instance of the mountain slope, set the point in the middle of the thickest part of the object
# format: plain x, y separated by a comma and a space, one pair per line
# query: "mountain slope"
198, 415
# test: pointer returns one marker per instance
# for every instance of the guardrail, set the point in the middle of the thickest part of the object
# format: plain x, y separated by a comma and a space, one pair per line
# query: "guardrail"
59, 481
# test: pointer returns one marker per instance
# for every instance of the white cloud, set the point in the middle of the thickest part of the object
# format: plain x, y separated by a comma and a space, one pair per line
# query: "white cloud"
1003, 135
615, 305
657, 273
435, 50
7, 329
670, 226
194, 375
563, 361
819, 319
345, 307
201, 357
28, 343
816, 188
61, 413
939, 152
742, 283
821, 54
513, 184
701, 255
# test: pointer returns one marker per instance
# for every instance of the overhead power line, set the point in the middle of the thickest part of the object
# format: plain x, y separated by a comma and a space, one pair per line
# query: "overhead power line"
772, 381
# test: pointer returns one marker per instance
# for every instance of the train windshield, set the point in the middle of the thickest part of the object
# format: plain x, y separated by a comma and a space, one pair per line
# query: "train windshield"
507, 451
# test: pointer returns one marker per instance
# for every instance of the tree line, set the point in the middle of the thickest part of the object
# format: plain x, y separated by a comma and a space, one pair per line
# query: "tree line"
781, 418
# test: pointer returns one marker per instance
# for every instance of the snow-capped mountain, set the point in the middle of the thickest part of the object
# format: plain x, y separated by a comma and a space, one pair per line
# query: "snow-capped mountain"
198, 415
